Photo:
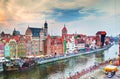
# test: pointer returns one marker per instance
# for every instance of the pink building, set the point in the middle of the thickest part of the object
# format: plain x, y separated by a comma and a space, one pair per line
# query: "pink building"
2, 49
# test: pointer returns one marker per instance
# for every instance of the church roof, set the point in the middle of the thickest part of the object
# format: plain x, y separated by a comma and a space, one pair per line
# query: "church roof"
35, 31
64, 29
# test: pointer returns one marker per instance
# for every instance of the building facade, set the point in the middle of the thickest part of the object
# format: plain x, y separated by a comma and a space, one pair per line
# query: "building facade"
100, 38
2, 49
54, 46
37, 36
7, 50
21, 47
13, 48
70, 45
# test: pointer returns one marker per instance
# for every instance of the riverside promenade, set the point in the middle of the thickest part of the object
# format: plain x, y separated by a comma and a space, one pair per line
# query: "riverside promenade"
73, 55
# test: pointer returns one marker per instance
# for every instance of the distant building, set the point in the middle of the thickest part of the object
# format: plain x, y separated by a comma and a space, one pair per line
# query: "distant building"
100, 38
107, 40
91, 41
15, 32
70, 44
4, 36
37, 37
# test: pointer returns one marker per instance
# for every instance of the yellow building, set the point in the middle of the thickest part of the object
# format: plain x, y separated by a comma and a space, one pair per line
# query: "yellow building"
13, 48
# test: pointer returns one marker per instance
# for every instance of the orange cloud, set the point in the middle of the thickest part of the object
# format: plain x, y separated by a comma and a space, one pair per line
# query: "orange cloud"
2, 16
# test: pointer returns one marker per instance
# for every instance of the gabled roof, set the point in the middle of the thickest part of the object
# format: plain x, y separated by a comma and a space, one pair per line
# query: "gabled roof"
7, 39
35, 31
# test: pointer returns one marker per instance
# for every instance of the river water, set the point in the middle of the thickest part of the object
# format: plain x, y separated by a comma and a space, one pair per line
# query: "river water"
63, 68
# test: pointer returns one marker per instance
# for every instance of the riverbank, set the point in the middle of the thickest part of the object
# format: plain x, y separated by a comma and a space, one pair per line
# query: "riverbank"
43, 61
61, 69
22, 64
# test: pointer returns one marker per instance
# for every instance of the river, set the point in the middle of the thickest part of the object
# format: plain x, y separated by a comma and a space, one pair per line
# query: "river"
63, 68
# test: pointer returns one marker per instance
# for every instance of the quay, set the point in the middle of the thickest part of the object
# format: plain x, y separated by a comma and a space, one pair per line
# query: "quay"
73, 55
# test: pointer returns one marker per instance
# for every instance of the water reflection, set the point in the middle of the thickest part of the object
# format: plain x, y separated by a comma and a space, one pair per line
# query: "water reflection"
63, 68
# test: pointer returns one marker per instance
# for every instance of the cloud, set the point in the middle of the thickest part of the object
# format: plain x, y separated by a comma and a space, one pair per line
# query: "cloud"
14, 13
62, 15
29, 10
20, 13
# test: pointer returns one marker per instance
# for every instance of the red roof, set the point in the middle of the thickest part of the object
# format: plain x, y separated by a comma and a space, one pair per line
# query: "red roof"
7, 39
16, 38
64, 29
101, 33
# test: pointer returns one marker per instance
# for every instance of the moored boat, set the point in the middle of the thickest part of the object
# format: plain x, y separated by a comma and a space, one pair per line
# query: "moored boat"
28, 65
10, 66
1, 66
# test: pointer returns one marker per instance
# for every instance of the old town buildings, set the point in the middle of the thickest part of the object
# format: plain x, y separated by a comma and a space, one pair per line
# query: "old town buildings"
37, 42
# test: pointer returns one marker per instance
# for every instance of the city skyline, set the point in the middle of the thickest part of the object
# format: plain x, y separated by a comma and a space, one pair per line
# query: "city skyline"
79, 16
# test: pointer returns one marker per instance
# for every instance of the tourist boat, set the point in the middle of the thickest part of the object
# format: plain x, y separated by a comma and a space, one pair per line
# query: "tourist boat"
28, 65
1, 66
10, 66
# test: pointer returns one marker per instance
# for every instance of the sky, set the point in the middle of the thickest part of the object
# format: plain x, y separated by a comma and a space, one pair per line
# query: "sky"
79, 16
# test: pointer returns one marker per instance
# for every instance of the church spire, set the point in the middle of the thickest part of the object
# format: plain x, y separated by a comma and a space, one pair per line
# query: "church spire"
45, 25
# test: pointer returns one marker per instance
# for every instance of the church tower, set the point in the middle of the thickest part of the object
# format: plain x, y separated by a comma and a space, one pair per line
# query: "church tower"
14, 32
64, 31
64, 35
45, 28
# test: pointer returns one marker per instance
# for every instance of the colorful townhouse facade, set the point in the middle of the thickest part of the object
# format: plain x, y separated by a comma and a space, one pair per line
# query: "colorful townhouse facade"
7, 50
13, 48
21, 46
70, 43
1, 49
54, 46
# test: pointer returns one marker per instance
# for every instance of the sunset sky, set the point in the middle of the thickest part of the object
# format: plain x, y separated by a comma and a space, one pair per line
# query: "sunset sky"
79, 16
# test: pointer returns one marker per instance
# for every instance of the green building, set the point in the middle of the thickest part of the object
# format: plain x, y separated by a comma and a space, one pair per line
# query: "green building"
7, 50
